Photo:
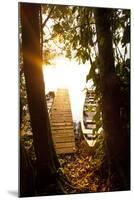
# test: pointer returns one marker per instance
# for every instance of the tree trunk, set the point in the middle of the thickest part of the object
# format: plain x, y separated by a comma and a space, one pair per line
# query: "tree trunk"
47, 162
115, 140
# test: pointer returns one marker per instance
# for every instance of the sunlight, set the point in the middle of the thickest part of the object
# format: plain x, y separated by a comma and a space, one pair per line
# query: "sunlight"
68, 74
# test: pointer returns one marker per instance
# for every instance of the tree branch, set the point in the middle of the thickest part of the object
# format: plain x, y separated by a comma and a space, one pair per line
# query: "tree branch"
116, 45
44, 23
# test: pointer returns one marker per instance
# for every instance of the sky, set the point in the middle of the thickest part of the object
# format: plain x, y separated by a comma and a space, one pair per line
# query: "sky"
68, 74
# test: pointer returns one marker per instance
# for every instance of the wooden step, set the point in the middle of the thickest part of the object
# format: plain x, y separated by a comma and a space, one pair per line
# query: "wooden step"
62, 123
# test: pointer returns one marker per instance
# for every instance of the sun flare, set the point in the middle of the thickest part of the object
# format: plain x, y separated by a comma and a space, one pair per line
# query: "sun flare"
67, 74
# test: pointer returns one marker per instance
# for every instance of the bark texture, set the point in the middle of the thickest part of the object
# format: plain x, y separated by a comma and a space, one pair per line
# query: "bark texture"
116, 144
47, 162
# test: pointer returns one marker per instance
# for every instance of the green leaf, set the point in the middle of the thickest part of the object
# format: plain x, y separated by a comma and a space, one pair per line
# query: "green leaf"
91, 72
58, 28
96, 117
62, 170
126, 36
74, 9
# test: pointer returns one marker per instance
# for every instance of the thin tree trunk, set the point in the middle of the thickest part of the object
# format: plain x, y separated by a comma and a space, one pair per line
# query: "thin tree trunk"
115, 140
47, 162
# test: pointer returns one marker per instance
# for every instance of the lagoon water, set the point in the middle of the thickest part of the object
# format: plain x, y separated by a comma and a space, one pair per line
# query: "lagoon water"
68, 74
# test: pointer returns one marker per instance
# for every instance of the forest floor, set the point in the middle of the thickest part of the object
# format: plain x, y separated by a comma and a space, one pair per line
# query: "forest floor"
82, 169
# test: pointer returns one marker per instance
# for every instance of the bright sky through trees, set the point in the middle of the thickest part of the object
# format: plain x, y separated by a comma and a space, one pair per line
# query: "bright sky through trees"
68, 74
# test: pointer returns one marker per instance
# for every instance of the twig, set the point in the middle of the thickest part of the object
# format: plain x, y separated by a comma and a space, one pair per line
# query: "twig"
44, 23
116, 45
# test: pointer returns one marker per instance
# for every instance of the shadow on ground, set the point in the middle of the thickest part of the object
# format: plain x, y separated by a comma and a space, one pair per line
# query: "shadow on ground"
13, 193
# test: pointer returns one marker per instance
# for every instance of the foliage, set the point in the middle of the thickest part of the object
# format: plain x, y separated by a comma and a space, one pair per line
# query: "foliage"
71, 30
77, 30
81, 168
122, 64
76, 26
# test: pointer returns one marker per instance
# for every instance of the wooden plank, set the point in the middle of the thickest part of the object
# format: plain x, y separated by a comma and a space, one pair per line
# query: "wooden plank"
91, 126
62, 115
66, 105
60, 121
62, 137
63, 131
61, 109
65, 140
58, 136
61, 105
62, 124
63, 118
65, 144
60, 102
65, 150
61, 128
62, 134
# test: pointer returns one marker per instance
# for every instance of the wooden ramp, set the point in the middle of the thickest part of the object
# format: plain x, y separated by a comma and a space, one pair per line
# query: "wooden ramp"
62, 123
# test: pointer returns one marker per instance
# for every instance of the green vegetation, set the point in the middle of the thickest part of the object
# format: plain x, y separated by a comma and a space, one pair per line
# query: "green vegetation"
98, 35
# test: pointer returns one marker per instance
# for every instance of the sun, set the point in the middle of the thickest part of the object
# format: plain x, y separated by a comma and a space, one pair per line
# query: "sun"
70, 75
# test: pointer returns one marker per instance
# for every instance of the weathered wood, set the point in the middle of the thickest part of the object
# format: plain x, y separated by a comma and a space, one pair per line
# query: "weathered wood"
61, 128
62, 113
62, 123
65, 150
64, 118
63, 140
63, 132
65, 144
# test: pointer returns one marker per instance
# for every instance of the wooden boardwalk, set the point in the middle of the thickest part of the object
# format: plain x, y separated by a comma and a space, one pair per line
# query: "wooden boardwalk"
62, 123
